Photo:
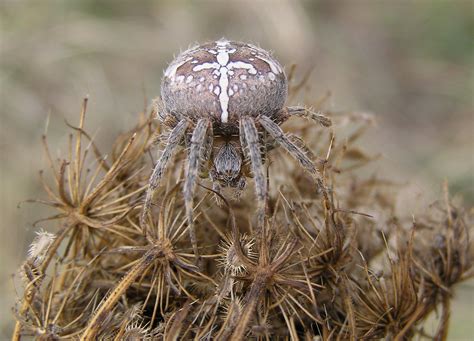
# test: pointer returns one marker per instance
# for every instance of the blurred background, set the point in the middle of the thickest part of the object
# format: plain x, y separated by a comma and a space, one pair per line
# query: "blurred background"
408, 62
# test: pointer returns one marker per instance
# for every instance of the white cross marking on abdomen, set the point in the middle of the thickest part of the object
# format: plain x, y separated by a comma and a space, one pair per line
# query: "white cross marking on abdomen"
223, 66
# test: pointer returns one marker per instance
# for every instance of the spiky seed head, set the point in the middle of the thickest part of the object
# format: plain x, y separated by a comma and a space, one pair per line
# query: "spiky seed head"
39, 247
229, 258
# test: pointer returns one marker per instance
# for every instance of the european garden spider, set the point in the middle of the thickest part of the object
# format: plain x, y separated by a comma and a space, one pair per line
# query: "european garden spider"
218, 99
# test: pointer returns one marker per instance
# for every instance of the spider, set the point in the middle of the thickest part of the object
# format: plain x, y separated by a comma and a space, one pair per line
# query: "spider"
224, 101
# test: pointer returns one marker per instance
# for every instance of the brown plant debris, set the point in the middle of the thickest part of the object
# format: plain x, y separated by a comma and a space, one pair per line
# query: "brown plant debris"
343, 265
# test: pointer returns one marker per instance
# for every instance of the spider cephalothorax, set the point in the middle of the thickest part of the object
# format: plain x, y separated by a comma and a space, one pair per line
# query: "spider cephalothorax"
224, 95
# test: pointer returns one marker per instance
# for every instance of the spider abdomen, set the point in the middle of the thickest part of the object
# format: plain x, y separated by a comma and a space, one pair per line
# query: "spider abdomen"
224, 80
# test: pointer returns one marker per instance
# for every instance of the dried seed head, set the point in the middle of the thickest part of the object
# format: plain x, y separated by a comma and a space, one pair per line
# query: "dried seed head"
39, 247
229, 258
135, 332
314, 285
233, 308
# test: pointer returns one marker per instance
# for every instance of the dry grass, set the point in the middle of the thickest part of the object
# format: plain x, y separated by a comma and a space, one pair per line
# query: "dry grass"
343, 266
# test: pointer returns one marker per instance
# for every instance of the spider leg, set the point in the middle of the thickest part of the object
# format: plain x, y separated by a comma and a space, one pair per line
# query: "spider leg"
173, 141
198, 141
216, 187
306, 113
252, 145
296, 150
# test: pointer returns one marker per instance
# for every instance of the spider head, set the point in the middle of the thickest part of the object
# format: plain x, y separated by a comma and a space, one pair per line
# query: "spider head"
227, 166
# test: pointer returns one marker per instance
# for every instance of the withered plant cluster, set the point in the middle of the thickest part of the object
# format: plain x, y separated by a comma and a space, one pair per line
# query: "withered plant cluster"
338, 266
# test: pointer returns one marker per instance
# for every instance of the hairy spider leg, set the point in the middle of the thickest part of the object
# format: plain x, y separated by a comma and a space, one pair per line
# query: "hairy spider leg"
304, 112
173, 141
297, 152
252, 146
198, 141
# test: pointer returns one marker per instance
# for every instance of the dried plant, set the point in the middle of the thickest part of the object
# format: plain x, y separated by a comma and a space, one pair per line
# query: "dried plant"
341, 264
